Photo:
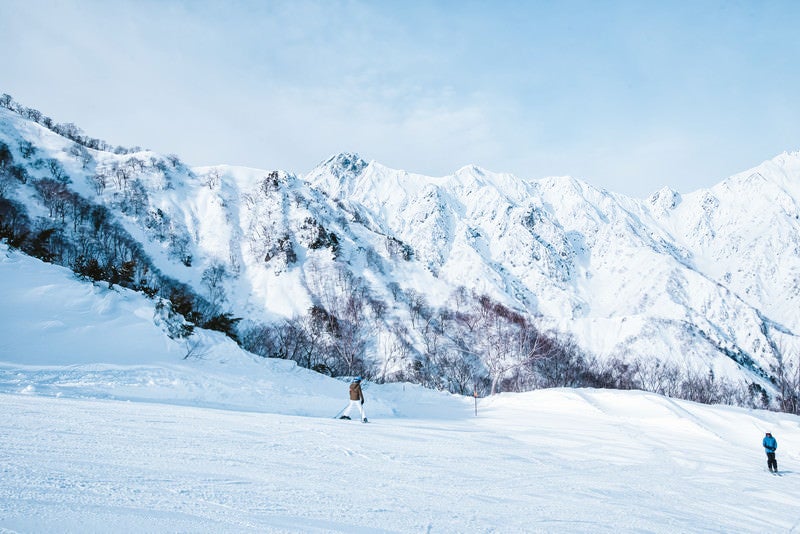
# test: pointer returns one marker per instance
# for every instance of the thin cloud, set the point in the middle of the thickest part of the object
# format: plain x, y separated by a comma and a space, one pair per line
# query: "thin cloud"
627, 96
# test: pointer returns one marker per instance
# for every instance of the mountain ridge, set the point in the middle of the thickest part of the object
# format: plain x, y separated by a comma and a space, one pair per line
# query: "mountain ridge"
713, 274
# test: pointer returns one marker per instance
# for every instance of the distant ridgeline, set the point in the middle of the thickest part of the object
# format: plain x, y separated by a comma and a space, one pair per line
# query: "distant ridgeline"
472, 283
67, 129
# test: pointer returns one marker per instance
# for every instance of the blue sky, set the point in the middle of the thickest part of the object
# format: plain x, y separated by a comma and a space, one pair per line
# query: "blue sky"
629, 96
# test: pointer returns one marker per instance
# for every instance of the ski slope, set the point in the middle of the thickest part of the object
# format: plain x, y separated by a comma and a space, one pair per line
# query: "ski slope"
566, 461
107, 428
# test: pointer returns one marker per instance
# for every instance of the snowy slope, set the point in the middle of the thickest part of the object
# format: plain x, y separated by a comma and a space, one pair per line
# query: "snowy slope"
109, 429
550, 461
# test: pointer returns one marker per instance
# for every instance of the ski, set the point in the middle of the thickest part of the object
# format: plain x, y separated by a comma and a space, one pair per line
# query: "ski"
346, 418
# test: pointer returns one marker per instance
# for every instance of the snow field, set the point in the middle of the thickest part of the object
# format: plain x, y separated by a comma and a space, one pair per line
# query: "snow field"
559, 460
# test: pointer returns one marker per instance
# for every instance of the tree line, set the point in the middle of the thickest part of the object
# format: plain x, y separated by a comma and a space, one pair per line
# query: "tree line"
474, 345
67, 129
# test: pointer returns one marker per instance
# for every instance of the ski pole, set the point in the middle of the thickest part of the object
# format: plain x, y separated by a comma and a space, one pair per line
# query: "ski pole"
340, 412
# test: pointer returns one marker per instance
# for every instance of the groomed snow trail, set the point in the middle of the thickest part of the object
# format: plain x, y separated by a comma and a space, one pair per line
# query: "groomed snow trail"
566, 461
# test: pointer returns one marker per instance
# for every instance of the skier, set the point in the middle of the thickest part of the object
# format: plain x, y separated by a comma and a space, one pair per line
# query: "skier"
770, 446
356, 399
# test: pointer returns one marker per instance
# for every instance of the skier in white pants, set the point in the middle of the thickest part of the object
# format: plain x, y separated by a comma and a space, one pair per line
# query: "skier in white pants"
356, 399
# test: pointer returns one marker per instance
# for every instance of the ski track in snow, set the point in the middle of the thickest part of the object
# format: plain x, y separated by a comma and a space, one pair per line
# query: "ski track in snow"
574, 461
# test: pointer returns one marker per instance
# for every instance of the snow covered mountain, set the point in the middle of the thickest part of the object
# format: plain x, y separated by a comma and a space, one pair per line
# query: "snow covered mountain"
712, 272
707, 280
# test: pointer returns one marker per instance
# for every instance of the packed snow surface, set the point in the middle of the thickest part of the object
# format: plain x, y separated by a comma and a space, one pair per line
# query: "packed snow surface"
567, 461
106, 427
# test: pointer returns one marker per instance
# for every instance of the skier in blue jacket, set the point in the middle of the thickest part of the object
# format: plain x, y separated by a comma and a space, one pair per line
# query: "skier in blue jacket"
770, 446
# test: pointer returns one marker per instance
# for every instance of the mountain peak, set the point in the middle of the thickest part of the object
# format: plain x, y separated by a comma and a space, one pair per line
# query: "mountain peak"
338, 174
665, 199
471, 169
344, 164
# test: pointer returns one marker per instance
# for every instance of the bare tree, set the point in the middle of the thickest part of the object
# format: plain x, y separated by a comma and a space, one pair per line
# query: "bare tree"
80, 152
786, 376
397, 350
213, 280
506, 342
99, 181
658, 376
213, 179
57, 170
193, 348
417, 306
